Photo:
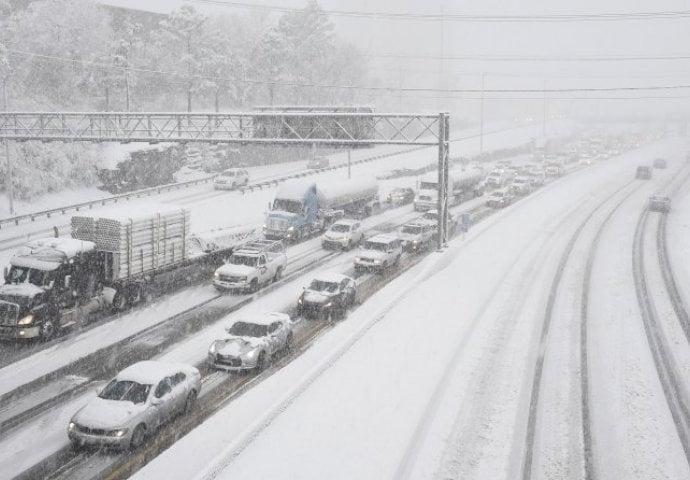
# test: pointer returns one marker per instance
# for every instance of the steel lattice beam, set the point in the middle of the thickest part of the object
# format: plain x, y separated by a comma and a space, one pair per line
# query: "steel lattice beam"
254, 127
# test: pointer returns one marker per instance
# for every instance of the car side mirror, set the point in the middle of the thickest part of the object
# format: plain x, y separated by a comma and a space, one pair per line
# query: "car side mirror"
5, 274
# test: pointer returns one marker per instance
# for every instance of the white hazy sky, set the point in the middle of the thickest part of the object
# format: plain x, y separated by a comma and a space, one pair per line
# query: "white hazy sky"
553, 39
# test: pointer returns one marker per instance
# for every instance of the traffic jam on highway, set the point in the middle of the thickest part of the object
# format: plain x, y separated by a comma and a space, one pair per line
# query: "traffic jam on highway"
133, 329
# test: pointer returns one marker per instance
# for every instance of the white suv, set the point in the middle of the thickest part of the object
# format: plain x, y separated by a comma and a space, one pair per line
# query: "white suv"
343, 234
231, 178
379, 253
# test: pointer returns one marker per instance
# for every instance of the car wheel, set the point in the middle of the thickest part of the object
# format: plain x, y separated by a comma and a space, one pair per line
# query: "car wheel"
138, 437
261, 362
349, 245
189, 403
278, 275
47, 330
254, 286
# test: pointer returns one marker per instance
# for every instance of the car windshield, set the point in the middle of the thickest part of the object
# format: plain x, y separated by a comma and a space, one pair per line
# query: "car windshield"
246, 329
244, 260
228, 174
126, 391
497, 194
40, 278
291, 206
413, 229
323, 286
382, 247
340, 227
399, 191
430, 216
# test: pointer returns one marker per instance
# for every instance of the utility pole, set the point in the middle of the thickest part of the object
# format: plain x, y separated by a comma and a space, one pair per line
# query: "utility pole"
349, 164
127, 89
543, 123
481, 118
10, 193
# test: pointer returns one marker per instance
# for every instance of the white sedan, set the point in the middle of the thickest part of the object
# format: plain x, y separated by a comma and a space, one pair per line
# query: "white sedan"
252, 342
134, 404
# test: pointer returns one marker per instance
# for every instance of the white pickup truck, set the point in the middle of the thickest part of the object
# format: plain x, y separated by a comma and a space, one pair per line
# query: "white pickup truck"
252, 265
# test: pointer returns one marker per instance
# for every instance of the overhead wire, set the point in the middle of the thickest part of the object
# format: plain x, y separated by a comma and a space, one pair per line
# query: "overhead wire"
462, 17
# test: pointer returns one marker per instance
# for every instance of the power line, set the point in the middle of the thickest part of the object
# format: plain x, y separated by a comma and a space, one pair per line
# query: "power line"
531, 58
456, 17
357, 87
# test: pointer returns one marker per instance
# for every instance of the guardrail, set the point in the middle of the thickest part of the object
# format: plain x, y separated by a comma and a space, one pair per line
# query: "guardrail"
306, 173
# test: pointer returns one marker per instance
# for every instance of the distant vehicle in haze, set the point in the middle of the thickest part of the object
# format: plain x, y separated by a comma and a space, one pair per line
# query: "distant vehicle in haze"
643, 172
318, 162
658, 203
231, 179
499, 199
400, 196
660, 163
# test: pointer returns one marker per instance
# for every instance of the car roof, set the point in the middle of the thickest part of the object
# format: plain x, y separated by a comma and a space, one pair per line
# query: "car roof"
150, 372
382, 238
265, 318
330, 277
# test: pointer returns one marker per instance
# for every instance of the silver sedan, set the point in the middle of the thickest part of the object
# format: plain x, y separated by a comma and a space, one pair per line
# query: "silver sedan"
251, 343
134, 404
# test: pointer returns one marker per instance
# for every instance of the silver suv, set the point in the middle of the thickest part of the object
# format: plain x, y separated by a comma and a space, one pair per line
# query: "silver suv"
379, 253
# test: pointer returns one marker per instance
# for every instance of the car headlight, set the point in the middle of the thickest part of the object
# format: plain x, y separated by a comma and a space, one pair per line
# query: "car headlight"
328, 305
291, 229
378, 262
216, 276
28, 320
300, 301
265, 227
252, 353
243, 279
212, 349
358, 259
72, 426
118, 433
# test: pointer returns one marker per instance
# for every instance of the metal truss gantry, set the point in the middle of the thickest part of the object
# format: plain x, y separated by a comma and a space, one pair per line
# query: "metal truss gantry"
253, 127
314, 128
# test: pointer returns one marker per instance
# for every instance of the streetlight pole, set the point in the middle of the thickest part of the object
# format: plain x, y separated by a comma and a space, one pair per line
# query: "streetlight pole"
10, 193
481, 118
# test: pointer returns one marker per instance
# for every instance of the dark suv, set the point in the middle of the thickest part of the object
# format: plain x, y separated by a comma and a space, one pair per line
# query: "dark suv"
328, 296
